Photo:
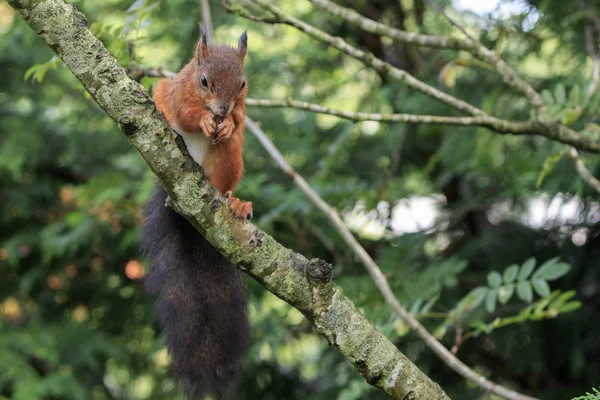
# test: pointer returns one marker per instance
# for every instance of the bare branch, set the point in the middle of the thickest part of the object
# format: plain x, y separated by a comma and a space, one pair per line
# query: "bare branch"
592, 50
561, 134
439, 9
206, 19
363, 116
583, 171
372, 26
244, 12
380, 281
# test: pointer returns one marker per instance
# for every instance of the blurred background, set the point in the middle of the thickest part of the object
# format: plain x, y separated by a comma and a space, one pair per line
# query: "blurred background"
439, 208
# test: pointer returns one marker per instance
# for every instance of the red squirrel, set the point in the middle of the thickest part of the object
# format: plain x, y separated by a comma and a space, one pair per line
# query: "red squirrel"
201, 301
204, 104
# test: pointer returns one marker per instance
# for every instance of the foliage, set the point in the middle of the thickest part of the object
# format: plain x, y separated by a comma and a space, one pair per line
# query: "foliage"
590, 396
450, 214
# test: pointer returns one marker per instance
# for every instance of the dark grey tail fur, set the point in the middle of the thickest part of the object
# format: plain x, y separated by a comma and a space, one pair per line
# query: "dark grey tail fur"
200, 301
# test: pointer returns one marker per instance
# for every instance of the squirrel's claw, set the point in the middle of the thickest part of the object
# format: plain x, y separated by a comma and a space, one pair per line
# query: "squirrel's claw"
207, 125
225, 128
241, 209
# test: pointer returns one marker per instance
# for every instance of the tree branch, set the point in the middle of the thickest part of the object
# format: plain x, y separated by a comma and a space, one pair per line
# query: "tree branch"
566, 136
206, 19
582, 170
591, 48
377, 275
304, 284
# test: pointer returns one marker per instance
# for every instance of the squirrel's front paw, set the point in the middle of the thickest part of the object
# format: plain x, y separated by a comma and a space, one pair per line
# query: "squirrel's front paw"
241, 209
224, 130
207, 124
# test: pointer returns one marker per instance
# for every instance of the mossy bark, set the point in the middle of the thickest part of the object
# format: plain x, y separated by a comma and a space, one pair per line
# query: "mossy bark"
305, 284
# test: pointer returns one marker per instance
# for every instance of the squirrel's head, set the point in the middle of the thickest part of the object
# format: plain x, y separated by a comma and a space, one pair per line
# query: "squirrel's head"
220, 73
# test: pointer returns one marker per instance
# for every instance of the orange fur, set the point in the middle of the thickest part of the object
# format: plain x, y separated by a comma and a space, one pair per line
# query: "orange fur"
190, 107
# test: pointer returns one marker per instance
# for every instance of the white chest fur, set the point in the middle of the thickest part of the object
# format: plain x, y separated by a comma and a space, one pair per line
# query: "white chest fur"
196, 143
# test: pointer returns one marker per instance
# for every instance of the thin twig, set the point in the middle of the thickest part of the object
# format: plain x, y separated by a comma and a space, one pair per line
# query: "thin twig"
450, 19
206, 19
591, 48
244, 12
566, 135
376, 274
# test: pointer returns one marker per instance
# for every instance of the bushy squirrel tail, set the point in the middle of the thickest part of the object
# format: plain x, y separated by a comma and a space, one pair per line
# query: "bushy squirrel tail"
200, 301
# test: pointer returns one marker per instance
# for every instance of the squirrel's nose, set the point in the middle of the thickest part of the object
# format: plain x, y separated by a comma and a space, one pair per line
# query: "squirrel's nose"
224, 110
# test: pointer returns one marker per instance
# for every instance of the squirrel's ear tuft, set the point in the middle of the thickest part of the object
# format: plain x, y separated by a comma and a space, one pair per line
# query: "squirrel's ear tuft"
202, 50
243, 44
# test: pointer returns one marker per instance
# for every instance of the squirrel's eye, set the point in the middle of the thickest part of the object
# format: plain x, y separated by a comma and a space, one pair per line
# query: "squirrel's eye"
243, 84
204, 81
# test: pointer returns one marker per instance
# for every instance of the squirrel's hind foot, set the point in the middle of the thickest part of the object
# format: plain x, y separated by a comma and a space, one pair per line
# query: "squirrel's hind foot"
241, 209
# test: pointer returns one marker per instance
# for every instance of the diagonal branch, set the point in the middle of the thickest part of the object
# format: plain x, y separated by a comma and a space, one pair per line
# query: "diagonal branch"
378, 277
582, 170
591, 48
304, 284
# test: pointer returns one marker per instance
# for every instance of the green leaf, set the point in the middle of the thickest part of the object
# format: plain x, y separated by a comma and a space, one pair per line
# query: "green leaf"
151, 7
32, 70
494, 279
526, 269
547, 96
490, 300
574, 96
476, 297
505, 293
136, 5
569, 307
415, 307
572, 116
562, 299
401, 327
594, 102
131, 19
524, 291
551, 270
145, 23
541, 287
430, 303
548, 166
560, 94
447, 75
510, 273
